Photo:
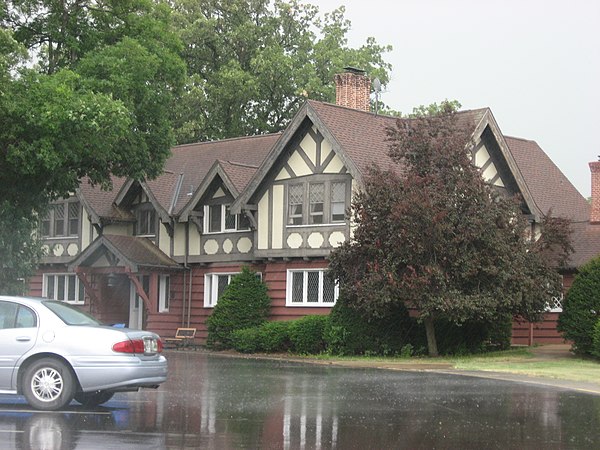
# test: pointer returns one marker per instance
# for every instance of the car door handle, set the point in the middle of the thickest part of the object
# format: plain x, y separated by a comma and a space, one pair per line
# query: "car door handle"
23, 338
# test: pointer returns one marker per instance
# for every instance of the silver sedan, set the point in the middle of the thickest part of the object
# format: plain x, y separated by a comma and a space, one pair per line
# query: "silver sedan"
52, 353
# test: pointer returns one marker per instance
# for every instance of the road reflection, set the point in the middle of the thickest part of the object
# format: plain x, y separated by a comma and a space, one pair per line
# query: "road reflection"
218, 402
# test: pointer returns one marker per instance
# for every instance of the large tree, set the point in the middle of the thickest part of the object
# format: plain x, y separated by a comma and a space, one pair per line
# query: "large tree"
86, 90
433, 235
252, 63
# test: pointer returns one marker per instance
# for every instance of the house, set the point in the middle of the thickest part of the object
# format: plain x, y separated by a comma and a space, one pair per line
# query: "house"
157, 254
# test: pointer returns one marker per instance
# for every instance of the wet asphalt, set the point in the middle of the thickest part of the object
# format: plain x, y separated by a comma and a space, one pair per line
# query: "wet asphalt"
218, 402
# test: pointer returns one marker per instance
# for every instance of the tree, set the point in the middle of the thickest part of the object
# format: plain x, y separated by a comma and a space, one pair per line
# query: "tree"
243, 304
434, 236
251, 64
93, 100
581, 308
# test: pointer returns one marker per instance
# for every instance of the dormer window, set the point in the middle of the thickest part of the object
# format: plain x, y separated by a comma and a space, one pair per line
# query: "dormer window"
61, 219
317, 203
145, 224
218, 219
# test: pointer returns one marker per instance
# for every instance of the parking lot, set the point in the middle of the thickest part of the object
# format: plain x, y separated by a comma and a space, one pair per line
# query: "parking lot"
223, 402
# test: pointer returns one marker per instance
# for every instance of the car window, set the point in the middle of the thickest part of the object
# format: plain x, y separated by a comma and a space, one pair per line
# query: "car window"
13, 315
69, 314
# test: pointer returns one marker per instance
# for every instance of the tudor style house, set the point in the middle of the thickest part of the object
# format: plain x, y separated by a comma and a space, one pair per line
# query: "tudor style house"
158, 254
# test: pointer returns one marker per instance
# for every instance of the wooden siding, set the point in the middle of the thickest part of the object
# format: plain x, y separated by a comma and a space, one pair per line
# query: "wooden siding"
544, 332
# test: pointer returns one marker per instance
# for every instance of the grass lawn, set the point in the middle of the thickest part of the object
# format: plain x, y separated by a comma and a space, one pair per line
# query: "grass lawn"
522, 361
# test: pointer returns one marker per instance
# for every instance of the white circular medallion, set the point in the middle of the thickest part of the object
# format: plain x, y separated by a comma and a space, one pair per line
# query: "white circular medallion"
211, 247
58, 250
244, 245
227, 246
294, 240
336, 239
315, 240
72, 249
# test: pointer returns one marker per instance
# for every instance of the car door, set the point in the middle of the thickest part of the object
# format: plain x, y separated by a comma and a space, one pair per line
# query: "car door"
18, 332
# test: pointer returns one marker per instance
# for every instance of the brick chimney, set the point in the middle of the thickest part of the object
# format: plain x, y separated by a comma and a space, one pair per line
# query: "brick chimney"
353, 89
595, 210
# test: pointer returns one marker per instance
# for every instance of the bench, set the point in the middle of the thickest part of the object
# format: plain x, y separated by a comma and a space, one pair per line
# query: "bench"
184, 337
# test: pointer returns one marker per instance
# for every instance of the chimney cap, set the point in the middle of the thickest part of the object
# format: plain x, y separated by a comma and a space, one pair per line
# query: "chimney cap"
354, 70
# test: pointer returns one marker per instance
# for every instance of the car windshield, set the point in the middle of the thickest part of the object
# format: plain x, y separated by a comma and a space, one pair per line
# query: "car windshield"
69, 314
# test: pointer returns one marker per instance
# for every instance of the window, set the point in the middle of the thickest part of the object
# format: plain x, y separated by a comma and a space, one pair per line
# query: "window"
310, 288
218, 219
214, 286
338, 202
13, 315
145, 221
164, 293
316, 203
64, 287
61, 219
296, 200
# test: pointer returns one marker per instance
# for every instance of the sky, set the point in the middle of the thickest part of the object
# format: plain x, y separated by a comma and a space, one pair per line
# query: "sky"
534, 63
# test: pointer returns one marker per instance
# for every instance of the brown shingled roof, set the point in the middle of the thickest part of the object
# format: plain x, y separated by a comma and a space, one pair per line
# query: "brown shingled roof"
363, 136
586, 243
195, 160
550, 188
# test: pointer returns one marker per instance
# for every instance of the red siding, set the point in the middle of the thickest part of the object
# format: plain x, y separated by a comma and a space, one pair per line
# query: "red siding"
544, 332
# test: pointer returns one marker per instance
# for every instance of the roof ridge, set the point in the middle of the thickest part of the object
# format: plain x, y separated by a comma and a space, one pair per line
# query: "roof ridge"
385, 116
239, 138
240, 164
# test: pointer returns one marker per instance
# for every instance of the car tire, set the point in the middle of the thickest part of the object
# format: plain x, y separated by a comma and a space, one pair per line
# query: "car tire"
91, 399
48, 384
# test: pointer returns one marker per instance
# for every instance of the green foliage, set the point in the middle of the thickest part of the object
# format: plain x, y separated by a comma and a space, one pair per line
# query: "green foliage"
253, 63
91, 98
596, 340
473, 337
243, 304
581, 308
437, 237
269, 337
20, 249
353, 332
307, 334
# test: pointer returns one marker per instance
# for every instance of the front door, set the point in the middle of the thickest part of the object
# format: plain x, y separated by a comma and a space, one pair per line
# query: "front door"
136, 304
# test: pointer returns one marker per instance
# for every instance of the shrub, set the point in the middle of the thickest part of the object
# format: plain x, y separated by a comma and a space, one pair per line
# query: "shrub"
307, 334
269, 337
246, 340
274, 337
244, 304
596, 340
581, 308
351, 332
472, 337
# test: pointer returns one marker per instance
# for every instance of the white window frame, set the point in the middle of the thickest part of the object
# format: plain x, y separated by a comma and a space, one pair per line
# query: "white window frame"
305, 303
211, 288
164, 293
54, 295
224, 214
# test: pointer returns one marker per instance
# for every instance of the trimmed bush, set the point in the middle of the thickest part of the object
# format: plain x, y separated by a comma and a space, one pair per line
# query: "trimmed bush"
581, 308
269, 337
246, 340
596, 340
244, 304
307, 334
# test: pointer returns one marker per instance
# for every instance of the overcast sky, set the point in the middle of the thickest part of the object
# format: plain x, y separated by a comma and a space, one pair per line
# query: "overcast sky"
535, 63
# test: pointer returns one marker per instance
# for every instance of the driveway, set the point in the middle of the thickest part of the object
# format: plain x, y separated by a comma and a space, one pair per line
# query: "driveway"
211, 401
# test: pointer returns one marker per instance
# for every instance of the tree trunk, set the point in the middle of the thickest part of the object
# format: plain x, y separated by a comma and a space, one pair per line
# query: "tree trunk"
431, 341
